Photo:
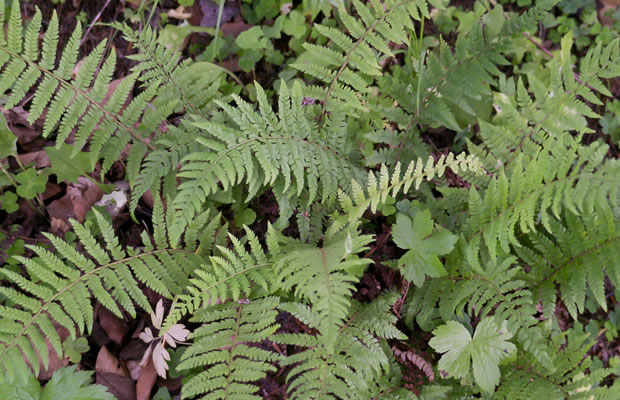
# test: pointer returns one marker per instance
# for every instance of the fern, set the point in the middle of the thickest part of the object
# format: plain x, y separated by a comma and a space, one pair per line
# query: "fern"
286, 150
223, 343
572, 263
379, 187
347, 365
73, 103
533, 221
354, 52
61, 290
570, 379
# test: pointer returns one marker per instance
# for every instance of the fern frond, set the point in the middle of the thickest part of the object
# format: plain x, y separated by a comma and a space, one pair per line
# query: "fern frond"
355, 362
60, 290
570, 380
381, 185
223, 344
286, 150
556, 179
324, 277
194, 84
77, 103
575, 265
230, 276
353, 54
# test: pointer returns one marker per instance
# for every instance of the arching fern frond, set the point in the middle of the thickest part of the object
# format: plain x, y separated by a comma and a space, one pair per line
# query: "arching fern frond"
559, 177
61, 289
77, 103
574, 263
232, 275
381, 185
570, 379
355, 360
287, 151
325, 278
193, 84
353, 55
223, 343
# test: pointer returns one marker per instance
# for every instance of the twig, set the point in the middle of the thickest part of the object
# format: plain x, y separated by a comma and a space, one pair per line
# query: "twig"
94, 21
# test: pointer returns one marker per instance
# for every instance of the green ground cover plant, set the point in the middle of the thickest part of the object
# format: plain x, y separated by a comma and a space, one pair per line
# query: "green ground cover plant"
443, 154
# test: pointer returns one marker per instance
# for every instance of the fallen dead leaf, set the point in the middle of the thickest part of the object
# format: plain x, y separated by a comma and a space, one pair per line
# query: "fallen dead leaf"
17, 118
234, 28
114, 327
39, 158
79, 199
59, 226
146, 380
608, 6
122, 387
134, 368
51, 190
179, 13
205, 12
109, 364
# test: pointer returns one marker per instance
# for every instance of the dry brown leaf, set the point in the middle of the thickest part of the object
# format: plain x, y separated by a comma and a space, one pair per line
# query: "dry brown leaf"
234, 28
146, 380
79, 199
109, 364
59, 226
179, 13
17, 118
206, 11
51, 190
122, 387
114, 327
134, 367
39, 157
607, 6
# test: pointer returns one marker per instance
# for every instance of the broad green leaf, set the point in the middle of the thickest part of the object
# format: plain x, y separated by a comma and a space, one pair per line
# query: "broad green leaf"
74, 348
295, 25
253, 38
30, 183
424, 246
67, 383
66, 168
485, 350
8, 202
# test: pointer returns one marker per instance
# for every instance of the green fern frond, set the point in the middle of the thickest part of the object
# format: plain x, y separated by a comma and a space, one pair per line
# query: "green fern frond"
570, 380
230, 276
353, 55
223, 344
556, 179
72, 103
574, 263
60, 290
355, 361
286, 150
381, 185
324, 277
193, 84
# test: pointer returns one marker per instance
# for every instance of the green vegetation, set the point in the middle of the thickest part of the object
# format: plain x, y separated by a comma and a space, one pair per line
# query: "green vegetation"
392, 199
